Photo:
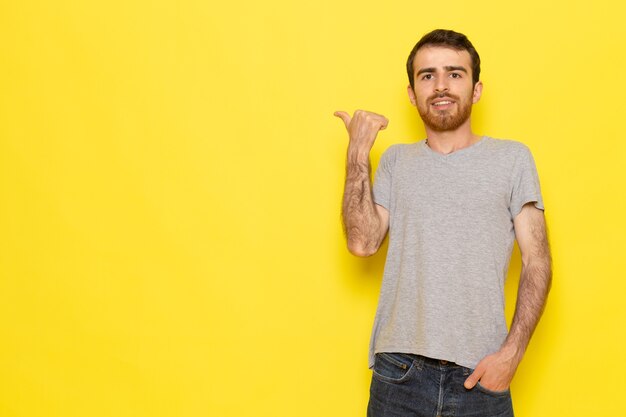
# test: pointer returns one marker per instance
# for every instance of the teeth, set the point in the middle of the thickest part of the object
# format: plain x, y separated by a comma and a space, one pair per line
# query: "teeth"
442, 103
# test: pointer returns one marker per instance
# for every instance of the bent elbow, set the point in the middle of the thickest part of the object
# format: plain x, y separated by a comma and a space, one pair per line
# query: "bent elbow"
360, 250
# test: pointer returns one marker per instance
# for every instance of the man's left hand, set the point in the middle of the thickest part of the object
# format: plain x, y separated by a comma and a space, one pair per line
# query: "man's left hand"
494, 371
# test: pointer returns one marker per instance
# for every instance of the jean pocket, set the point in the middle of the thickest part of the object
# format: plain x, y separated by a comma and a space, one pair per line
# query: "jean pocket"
504, 393
394, 367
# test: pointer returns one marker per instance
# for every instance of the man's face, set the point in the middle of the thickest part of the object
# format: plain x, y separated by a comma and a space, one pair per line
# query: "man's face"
443, 92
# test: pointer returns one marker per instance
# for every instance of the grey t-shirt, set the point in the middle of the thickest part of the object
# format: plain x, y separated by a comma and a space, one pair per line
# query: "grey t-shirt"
451, 236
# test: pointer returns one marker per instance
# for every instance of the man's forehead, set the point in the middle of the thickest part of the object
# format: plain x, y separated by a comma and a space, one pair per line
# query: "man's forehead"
441, 56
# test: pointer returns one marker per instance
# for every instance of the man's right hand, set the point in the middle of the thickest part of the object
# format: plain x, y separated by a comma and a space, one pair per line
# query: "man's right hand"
363, 128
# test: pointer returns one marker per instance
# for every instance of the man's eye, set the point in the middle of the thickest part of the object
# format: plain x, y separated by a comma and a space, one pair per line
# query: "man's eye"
455, 75
427, 77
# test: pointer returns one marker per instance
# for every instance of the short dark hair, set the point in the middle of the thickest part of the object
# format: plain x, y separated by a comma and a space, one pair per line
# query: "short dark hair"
449, 39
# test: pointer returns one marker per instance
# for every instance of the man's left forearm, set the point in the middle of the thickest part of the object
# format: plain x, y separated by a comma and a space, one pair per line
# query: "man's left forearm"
534, 286
496, 370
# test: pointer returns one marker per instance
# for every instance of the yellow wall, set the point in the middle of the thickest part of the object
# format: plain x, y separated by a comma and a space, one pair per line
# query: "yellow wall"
170, 184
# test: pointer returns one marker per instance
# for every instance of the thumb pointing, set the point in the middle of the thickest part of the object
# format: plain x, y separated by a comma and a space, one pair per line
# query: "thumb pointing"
343, 116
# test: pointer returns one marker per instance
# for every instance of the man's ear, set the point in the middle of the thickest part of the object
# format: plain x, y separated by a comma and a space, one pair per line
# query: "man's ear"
478, 91
411, 95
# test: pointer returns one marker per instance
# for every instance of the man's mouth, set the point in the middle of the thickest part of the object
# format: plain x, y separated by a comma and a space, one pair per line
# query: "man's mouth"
442, 103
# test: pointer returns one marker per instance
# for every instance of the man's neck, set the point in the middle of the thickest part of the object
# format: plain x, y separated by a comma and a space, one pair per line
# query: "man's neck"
446, 142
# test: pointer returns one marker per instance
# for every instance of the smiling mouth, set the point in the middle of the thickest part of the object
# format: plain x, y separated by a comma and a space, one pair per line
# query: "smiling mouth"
442, 103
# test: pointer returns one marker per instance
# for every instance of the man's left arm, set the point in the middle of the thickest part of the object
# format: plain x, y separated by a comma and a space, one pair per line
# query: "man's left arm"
496, 371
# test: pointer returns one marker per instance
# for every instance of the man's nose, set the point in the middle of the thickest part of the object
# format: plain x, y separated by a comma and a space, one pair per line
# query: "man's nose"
441, 86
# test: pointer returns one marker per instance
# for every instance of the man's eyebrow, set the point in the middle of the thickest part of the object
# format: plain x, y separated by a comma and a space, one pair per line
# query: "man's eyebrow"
447, 68
455, 68
423, 70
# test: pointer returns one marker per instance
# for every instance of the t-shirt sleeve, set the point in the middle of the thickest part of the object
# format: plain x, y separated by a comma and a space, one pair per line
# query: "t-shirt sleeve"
382, 178
525, 183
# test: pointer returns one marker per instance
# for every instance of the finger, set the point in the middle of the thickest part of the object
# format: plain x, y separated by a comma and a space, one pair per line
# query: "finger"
384, 124
343, 116
471, 380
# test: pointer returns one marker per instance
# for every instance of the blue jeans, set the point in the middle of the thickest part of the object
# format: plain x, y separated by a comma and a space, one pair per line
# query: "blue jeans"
405, 385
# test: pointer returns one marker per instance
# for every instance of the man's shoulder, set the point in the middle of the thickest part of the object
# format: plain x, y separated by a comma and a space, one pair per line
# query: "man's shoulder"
506, 146
404, 148
401, 147
397, 150
505, 143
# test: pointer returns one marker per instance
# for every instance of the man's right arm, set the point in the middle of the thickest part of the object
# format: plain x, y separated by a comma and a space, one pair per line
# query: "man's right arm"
365, 222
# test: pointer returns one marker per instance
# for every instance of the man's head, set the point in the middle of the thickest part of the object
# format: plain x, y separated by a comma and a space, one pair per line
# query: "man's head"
443, 72
447, 39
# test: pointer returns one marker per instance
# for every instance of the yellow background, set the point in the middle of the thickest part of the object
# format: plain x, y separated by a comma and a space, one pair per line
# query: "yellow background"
170, 184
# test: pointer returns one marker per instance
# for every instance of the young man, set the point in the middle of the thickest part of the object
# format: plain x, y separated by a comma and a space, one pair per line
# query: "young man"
453, 205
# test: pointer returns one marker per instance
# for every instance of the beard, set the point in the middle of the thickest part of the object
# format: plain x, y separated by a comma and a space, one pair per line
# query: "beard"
444, 120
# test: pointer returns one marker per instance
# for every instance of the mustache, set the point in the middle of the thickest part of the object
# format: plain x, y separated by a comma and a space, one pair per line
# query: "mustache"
443, 95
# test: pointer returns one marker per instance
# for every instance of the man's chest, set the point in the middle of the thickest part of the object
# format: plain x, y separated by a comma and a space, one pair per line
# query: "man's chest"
424, 190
